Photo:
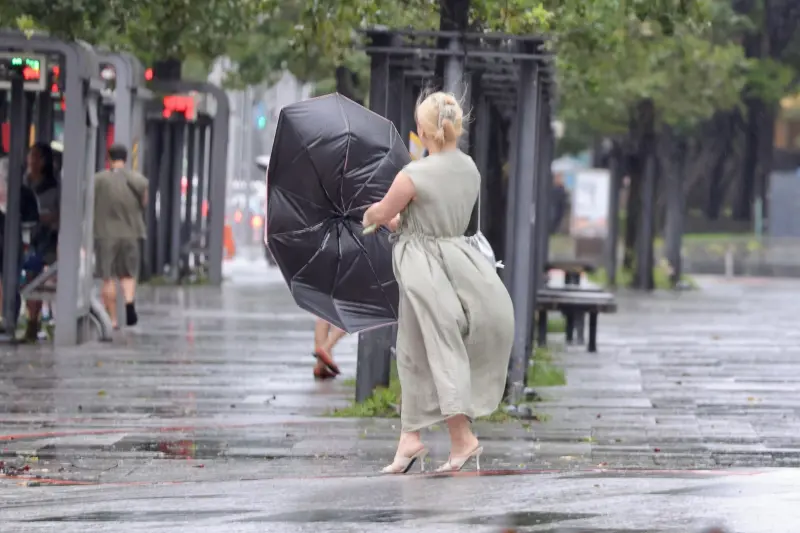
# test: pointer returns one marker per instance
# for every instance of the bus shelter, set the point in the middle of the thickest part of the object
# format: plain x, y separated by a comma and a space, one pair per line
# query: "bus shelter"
187, 151
40, 78
122, 113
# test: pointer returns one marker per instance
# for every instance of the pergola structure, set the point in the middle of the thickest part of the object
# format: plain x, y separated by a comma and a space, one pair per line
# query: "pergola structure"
501, 79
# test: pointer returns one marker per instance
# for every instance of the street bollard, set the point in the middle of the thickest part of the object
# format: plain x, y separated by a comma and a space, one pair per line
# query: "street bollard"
375, 352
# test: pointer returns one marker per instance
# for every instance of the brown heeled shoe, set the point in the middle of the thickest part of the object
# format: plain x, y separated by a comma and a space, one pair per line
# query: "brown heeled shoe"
324, 358
323, 373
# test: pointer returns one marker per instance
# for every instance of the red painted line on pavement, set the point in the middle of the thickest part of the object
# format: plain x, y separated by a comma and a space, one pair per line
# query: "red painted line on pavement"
67, 482
155, 429
699, 473
78, 432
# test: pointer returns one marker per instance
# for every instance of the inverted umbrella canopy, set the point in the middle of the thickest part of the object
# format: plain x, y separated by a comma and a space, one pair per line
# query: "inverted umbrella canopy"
332, 158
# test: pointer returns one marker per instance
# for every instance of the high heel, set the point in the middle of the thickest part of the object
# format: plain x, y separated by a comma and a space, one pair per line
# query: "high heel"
401, 465
454, 464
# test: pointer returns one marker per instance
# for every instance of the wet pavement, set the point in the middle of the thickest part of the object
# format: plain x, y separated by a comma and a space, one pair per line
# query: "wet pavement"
206, 415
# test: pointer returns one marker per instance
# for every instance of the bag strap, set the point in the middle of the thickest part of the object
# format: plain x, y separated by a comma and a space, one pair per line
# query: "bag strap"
474, 226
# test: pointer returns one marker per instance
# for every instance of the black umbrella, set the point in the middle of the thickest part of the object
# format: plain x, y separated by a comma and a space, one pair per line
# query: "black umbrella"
332, 158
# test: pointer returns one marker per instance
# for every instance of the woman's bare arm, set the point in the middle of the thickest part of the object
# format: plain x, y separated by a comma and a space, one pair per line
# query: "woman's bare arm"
397, 198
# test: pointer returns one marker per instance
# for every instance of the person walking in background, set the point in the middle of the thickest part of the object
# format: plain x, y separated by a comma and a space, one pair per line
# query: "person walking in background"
120, 196
42, 179
325, 338
456, 320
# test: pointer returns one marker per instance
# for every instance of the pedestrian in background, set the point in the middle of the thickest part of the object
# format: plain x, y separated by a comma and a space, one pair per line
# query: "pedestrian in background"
42, 179
120, 197
325, 338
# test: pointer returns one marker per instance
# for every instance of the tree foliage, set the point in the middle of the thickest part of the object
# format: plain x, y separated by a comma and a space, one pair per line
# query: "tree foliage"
151, 29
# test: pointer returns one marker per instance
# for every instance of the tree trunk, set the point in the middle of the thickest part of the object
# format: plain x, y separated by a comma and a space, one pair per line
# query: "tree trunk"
643, 128
453, 16
742, 210
347, 84
632, 211
723, 133
617, 171
673, 170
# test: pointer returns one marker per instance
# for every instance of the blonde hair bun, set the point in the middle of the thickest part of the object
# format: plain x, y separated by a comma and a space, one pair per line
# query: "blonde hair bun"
440, 117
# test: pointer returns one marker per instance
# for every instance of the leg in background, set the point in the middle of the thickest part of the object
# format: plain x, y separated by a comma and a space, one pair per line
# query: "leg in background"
34, 309
321, 329
325, 367
334, 336
127, 269
109, 295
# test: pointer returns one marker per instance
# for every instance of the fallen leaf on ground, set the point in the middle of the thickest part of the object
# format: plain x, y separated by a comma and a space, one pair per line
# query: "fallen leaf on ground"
101, 393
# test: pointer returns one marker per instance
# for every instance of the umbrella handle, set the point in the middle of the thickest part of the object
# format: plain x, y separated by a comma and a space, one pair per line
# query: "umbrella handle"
369, 229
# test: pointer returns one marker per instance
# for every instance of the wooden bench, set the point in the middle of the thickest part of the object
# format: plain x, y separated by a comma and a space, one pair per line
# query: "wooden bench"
573, 269
573, 301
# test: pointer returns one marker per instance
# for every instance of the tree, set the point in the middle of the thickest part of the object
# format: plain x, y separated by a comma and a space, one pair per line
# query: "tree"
153, 30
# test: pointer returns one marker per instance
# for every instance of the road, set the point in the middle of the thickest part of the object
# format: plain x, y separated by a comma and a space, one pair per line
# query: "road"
206, 417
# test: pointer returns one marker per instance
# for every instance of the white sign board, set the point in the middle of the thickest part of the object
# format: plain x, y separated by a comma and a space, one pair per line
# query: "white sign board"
590, 203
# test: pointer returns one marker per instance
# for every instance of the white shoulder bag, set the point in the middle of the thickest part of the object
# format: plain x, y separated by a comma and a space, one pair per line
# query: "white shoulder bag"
481, 243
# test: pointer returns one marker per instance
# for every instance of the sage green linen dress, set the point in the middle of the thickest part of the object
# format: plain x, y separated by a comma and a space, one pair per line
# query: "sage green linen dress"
456, 320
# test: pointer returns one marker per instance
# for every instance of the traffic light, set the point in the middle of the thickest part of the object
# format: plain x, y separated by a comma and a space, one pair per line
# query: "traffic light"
260, 113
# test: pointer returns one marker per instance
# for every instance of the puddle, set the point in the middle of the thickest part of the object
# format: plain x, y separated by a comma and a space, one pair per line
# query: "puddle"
375, 516
530, 518
143, 516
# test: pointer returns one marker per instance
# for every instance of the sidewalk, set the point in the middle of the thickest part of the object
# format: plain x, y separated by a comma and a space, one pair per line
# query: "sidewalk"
215, 388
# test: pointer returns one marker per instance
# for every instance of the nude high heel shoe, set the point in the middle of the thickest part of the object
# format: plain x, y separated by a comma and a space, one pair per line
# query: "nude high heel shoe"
455, 464
401, 465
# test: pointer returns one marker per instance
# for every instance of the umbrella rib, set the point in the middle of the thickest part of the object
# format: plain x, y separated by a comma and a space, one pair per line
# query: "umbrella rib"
346, 152
371, 267
316, 171
319, 250
374, 172
299, 231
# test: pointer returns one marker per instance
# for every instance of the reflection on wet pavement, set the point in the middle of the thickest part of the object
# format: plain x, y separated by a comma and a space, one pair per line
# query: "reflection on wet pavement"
207, 417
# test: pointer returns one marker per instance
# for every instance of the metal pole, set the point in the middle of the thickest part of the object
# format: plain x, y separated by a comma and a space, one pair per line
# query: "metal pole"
104, 112
408, 121
217, 184
164, 203
612, 239
644, 254
73, 291
152, 154
375, 345
11, 241
44, 116
539, 217
176, 196
246, 164
191, 155
520, 271
202, 172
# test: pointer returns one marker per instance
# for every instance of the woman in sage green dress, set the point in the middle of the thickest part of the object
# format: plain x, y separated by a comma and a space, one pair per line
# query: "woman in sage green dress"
456, 321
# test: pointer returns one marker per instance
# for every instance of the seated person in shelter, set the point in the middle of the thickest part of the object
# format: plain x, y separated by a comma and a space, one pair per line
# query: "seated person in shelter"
29, 214
41, 178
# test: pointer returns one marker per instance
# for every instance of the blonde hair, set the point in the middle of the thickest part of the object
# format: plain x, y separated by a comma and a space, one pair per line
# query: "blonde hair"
440, 117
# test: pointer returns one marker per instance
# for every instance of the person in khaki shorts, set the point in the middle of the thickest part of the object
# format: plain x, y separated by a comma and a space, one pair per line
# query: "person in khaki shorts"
120, 196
